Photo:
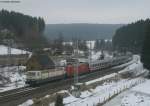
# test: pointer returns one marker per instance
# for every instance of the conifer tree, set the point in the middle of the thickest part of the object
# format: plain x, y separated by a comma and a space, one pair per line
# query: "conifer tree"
59, 100
145, 57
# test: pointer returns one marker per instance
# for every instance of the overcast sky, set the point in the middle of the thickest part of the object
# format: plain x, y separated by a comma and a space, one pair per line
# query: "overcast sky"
83, 11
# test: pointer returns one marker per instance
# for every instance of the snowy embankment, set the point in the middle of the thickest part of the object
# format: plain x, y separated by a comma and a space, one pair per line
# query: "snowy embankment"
101, 93
92, 97
12, 78
101, 79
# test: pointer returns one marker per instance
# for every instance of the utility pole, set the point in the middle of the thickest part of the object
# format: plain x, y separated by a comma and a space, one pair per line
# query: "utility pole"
9, 43
76, 64
90, 52
76, 91
8, 39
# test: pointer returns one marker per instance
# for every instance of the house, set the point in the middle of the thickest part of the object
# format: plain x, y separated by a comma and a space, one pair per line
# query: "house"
40, 61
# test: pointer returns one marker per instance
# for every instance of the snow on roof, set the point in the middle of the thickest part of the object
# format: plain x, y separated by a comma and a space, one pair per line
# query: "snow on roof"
4, 50
95, 56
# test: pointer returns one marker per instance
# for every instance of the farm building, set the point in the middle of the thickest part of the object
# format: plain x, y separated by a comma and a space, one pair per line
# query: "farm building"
40, 62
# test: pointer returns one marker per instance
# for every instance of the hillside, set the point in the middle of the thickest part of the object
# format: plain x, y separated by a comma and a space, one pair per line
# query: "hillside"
22, 29
82, 31
131, 37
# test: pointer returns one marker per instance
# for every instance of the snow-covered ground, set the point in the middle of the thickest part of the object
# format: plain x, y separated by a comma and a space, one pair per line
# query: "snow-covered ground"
135, 66
108, 89
96, 95
4, 50
137, 96
12, 77
101, 93
27, 103
90, 44
96, 55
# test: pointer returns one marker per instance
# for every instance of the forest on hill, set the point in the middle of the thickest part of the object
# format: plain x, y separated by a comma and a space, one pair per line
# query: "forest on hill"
82, 31
145, 55
131, 37
25, 30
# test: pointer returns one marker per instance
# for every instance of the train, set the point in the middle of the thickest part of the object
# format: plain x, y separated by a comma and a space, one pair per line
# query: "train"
48, 75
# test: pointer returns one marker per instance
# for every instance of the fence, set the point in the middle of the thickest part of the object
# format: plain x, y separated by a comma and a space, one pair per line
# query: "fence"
120, 88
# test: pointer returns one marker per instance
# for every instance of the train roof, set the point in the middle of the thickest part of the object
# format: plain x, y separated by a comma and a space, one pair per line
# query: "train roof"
107, 60
100, 61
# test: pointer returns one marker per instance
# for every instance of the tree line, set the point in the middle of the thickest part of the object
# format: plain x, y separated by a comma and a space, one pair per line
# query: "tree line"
60, 45
23, 29
131, 37
101, 44
145, 55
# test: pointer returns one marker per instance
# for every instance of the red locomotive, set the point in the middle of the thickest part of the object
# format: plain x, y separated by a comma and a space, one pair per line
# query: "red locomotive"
82, 69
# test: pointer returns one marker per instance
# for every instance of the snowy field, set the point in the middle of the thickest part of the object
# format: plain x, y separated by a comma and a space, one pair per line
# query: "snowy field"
12, 78
4, 50
101, 93
137, 96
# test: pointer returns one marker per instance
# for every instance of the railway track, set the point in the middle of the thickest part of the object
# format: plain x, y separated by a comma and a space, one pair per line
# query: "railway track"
17, 96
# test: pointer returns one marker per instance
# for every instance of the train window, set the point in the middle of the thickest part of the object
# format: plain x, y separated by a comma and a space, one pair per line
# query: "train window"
93, 65
31, 73
38, 73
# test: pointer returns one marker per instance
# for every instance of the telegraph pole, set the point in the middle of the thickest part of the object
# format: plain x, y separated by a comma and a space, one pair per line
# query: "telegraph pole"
90, 51
76, 64
90, 55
